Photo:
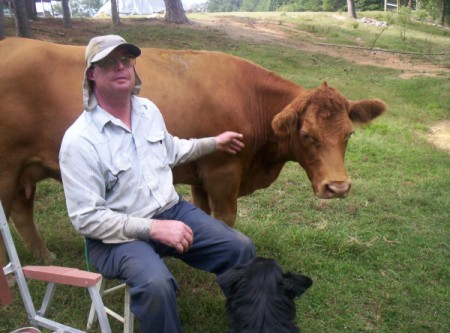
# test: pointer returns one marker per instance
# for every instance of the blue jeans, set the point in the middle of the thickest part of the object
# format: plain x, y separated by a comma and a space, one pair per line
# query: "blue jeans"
216, 248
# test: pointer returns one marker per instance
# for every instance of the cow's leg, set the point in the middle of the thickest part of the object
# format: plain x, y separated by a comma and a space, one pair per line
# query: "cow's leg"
223, 189
23, 219
224, 208
200, 198
216, 203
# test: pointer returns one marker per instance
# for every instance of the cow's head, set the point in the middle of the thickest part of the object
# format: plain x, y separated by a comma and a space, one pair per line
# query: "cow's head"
318, 125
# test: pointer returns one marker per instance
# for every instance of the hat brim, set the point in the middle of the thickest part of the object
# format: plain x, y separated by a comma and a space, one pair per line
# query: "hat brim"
132, 49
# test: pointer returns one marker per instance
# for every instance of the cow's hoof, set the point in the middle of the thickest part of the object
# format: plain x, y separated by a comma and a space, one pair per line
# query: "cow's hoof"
46, 256
49, 257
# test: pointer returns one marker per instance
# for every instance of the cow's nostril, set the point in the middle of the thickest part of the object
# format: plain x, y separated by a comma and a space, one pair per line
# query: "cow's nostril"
338, 189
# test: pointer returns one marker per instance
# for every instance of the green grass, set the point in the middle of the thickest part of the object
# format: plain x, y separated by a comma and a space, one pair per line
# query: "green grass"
379, 259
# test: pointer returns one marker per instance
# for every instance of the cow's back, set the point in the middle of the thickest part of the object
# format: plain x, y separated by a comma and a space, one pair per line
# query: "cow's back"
200, 93
40, 89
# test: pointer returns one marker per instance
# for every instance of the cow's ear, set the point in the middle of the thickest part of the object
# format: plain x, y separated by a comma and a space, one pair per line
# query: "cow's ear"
366, 110
324, 84
285, 122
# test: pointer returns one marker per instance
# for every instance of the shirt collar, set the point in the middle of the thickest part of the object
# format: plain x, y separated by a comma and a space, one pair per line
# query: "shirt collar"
100, 117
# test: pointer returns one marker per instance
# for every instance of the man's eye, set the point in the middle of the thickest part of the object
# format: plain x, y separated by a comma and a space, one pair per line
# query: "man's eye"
107, 63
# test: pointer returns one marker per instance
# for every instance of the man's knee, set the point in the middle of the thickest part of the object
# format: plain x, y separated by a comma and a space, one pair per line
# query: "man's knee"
155, 287
242, 249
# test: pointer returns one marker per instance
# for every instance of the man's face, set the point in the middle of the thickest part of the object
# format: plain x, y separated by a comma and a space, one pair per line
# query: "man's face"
114, 74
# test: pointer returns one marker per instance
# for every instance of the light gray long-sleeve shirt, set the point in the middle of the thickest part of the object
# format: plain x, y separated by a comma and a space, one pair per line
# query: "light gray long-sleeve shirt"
115, 180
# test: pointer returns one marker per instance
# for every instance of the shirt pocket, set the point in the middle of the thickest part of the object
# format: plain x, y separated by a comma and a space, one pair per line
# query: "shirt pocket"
115, 172
157, 146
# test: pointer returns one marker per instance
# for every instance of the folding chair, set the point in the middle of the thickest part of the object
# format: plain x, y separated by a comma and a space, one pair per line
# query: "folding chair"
54, 275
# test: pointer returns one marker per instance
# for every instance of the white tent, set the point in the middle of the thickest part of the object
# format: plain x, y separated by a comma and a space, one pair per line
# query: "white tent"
147, 7
133, 7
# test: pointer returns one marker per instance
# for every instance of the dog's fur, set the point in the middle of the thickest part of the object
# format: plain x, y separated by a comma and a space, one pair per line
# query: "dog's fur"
261, 297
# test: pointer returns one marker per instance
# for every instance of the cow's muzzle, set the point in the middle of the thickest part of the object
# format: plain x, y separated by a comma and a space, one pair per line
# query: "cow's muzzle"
334, 189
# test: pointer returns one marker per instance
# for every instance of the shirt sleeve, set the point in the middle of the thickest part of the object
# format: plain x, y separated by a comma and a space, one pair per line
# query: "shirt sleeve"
183, 151
84, 189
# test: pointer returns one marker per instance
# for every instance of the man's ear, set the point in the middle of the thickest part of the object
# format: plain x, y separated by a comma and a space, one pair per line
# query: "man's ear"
90, 74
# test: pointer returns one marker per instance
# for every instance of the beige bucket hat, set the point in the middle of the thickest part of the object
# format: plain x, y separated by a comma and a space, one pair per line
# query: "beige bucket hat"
97, 49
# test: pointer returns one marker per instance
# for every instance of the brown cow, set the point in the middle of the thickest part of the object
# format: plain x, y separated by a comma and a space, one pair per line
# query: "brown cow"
200, 94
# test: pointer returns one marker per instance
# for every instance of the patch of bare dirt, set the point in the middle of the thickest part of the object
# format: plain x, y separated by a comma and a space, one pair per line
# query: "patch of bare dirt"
439, 135
268, 31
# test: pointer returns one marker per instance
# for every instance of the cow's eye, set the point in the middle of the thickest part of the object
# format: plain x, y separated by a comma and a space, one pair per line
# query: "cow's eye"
307, 137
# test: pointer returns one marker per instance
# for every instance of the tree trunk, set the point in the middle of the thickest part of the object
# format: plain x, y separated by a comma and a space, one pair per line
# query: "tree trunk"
175, 12
31, 9
23, 28
2, 24
443, 9
115, 13
67, 17
351, 8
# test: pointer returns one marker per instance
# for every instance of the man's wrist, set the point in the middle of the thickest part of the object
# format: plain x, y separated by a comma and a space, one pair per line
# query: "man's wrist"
138, 228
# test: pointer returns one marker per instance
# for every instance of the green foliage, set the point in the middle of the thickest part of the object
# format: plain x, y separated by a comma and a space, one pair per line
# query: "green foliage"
364, 5
421, 14
224, 5
255, 5
404, 18
85, 8
428, 8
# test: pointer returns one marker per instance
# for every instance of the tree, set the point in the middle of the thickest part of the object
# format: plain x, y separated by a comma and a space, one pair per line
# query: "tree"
31, 9
66, 14
2, 29
351, 8
23, 28
175, 12
443, 11
85, 8
115, 13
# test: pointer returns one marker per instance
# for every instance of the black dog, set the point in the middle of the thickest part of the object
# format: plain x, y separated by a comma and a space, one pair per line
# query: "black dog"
261, 297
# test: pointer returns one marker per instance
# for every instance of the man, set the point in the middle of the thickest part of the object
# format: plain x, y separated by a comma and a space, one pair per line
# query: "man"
116, 162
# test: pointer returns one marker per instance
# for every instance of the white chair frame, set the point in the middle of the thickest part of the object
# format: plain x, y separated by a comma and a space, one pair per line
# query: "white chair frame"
53, 275
127, 319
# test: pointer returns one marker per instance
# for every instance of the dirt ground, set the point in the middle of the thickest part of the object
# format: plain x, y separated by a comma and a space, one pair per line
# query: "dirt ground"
269, 31
272, 32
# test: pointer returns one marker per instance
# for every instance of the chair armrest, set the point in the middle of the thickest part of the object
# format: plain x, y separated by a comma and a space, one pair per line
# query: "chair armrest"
62, 275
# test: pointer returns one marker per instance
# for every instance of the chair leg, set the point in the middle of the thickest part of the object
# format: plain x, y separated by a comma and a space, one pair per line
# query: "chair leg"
128, 315
99, 309
92, 313
48, 297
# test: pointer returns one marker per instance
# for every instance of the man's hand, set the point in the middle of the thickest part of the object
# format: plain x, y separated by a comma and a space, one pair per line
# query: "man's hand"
230, 142
172, 233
